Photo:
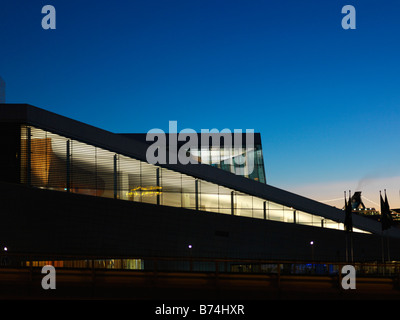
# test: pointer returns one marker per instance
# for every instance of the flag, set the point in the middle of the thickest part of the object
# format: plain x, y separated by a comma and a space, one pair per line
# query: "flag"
348, 220
386, 216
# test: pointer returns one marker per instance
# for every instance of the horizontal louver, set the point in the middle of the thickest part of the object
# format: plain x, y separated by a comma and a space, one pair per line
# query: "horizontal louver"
51, 161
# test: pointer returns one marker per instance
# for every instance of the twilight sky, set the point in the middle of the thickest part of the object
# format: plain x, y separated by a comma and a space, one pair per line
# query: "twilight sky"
326, 100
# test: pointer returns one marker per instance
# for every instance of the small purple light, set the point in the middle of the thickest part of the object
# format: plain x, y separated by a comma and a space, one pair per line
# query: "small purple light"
190, 246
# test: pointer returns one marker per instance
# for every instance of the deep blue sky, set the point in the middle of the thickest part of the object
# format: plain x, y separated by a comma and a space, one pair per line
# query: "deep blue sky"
326, 100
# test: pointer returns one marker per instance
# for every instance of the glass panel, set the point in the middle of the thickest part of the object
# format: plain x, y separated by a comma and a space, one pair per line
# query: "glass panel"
259, 174
205, 156
57, 156
251, 168
48, 160
83, 168
333, 224
24, 160
105, 173
215, 156
124, 165
288, 215
148, 186
188, 192
129, 178
171, 186
318, 221
40, 158
244, 205
275, 211
209, 196
304, 218
224, 200
226, 159
258, 208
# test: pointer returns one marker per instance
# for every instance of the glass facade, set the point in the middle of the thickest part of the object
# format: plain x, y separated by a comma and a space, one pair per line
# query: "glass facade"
130, 264
55, 162
248, 160
237, 153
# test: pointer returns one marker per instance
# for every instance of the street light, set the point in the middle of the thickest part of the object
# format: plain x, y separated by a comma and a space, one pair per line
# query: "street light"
190, 256
312, 249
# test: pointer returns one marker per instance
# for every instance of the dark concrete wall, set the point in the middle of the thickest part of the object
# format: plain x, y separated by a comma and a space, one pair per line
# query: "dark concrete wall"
43, 221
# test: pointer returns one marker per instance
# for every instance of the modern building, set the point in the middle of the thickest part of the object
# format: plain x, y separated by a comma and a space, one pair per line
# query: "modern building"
218, 149
70, 188
2, 91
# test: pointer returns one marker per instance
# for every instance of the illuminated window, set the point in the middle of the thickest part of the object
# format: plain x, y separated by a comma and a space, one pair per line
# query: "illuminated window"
55, 162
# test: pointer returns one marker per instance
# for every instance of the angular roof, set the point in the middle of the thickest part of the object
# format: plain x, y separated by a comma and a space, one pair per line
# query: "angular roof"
28, 114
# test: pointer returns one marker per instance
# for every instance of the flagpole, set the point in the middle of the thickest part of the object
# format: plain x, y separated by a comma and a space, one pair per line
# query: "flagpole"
387, 237
351, 230
382, 243
345, 228
383, 250
348, 227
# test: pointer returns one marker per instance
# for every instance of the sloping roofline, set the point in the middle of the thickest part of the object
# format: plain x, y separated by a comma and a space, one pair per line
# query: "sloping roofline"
31, 115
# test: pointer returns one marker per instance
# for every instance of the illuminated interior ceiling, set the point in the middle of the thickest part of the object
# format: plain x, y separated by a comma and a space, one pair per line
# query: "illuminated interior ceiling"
217, 155
226, 157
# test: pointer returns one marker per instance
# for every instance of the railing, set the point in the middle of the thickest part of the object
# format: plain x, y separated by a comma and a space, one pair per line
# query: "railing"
21, 276
199, 264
